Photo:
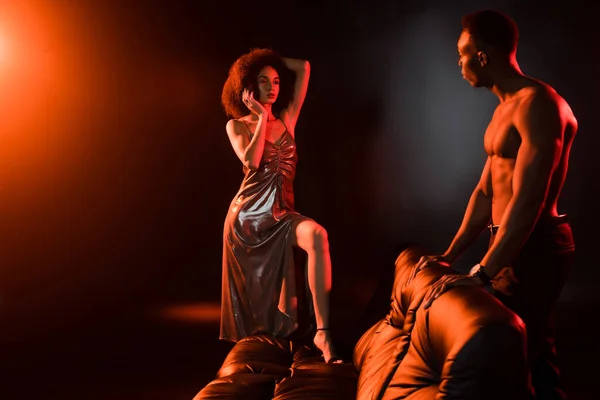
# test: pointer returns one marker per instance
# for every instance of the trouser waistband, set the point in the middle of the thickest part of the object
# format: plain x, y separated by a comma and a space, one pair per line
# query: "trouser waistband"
546, 222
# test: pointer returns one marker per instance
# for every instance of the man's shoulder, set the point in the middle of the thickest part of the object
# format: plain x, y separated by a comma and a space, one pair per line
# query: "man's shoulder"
542, 98
542, 94
544, 109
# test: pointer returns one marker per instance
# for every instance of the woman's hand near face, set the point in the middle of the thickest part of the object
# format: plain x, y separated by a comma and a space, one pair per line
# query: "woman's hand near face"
252, 104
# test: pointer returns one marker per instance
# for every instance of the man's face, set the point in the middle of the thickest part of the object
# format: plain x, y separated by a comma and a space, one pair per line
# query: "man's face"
469, 61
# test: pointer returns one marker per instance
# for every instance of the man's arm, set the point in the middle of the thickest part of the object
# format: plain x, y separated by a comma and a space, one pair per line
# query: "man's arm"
477, 216
541, 127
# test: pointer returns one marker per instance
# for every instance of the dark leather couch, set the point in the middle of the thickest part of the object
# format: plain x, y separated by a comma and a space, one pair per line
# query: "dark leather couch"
262, 367
467, 345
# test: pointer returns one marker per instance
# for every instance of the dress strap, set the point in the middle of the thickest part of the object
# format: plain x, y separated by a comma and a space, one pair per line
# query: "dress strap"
284, 125
248, 129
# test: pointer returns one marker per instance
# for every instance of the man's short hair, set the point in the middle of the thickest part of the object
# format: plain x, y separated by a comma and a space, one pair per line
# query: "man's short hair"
493, 28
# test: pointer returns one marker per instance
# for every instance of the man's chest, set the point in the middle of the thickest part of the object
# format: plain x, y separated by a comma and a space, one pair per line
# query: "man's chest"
501, 136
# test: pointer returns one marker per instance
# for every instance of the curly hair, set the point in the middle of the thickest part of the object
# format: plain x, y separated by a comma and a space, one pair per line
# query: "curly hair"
244, 74
494, 28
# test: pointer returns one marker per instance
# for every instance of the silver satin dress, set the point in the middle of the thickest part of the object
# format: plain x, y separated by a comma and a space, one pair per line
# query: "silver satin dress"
259, 292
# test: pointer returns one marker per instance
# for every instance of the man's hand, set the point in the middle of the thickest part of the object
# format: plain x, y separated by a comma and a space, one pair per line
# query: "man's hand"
447, 282
427, 261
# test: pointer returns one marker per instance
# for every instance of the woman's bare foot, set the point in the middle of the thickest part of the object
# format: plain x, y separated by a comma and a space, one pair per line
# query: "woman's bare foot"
323, 342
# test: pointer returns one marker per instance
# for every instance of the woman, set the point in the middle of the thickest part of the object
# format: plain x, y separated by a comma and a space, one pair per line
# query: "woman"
264, 98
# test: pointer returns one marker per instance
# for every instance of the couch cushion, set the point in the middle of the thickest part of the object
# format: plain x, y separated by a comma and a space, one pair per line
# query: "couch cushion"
263, 367
373, 355
260, 354
311, 378
338, 387
245, 386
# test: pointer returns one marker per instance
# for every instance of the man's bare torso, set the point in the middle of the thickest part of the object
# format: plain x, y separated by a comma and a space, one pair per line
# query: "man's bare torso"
502, 142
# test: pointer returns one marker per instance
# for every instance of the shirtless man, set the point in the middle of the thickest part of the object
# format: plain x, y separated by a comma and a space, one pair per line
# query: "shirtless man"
528, 142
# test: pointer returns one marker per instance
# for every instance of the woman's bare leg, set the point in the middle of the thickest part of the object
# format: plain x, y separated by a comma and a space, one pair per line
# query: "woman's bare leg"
312, 238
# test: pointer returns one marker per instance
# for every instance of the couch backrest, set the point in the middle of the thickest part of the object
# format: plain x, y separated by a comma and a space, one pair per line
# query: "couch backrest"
464, 346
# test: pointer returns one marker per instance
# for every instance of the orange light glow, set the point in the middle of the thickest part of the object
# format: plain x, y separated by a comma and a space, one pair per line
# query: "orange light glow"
2, 48
193, 313
54, 90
